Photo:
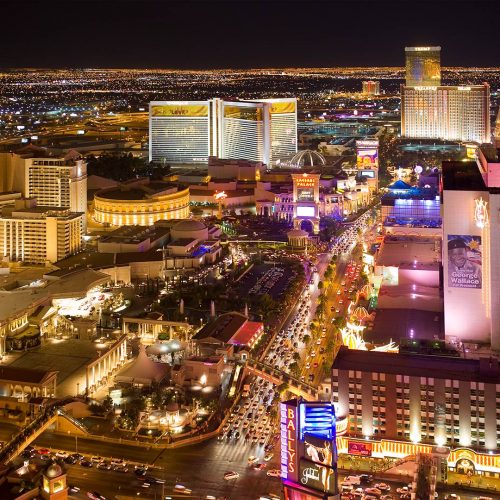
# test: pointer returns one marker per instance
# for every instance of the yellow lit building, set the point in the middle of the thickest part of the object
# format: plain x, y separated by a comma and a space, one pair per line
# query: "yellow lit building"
34, 234
141, 202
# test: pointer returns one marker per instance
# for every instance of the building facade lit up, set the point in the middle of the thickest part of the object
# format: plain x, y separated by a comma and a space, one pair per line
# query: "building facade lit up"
141, 202
192, 131
371, 88
401, 404
455, 113
471, 263
35, 234
54, 182
423, 66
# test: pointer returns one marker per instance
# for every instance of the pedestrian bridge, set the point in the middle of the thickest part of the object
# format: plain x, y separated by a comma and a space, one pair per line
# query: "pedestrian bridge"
51, 416
278, 377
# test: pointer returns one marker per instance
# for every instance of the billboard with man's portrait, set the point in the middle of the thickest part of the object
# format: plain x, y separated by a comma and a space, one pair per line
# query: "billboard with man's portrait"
464, 261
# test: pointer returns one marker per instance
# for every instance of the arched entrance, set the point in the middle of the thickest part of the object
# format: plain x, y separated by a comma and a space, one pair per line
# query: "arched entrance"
307, 225
465, 466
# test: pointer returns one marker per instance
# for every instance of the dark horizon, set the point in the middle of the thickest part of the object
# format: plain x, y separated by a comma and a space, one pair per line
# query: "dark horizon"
246, 34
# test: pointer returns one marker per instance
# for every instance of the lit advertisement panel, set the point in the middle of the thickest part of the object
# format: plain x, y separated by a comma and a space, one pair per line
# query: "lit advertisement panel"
319, 450
359, 448
367, 173
180, 110
305, 211
464, 261
288, 425
367, 153
318, 477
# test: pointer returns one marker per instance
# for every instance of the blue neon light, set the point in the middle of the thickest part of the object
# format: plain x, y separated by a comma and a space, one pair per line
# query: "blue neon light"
317, 419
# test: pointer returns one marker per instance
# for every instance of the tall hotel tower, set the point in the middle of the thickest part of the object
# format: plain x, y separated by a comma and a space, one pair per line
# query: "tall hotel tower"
430, 110
189, 132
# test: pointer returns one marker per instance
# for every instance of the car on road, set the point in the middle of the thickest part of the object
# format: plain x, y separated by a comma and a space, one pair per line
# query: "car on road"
274, 473
252, 460
73, 489
96, 459
43, 451
180, 488
62, 454
71, 460
261, 466
373, 491
86, 463
103, 466
231, 475
121, 468
94, 495
382, 486
140, 472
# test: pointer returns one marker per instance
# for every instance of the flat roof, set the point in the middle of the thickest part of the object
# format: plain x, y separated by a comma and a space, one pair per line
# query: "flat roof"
396, 324
11, 373
224, 328
246, 333
403, 251
462, 176
419, 365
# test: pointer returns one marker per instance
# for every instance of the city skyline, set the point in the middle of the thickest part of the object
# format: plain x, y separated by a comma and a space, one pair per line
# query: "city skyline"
209, 35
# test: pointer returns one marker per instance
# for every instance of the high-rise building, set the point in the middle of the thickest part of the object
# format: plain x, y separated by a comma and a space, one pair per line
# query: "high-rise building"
371, 88
181, 131
455, 113
189, 132
53, 181
37, 234
398, 405
423, 66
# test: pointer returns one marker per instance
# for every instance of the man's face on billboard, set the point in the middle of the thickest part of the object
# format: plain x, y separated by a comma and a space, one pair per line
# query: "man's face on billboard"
458, 256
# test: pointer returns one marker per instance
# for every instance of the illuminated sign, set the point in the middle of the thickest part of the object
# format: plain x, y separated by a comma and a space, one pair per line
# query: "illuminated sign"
424, 87
180, 110
359, 448
317, 419
288, 423
481, 212
305, 211
464, 88
302, 182
367, 173
278, 108
243, 113
471, 151
368, 259
318, 477
220, 196
422, 49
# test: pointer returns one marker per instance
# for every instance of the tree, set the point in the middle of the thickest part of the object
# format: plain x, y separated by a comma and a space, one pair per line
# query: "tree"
107, 404
282, 388
320, 285
307, 339
296, 356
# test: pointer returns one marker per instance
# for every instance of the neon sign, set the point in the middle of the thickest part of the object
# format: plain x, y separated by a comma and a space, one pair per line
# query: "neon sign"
306, 182
481, 213
288, 442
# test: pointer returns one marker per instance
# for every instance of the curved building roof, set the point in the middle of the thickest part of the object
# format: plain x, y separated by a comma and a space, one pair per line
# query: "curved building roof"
307, 158
189, 225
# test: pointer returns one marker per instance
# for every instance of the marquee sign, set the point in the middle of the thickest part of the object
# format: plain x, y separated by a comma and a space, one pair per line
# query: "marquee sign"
288, 422
481, 213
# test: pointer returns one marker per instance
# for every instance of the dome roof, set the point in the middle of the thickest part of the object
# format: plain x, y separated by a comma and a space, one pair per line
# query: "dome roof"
189, 225
307, 158
172, 407
54, 470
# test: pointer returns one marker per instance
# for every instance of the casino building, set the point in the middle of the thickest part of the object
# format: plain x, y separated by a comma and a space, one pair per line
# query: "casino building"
140, 202
189, 132
471, 261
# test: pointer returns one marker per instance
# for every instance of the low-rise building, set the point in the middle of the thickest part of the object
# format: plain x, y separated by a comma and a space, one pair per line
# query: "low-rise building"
142, 202
228, 330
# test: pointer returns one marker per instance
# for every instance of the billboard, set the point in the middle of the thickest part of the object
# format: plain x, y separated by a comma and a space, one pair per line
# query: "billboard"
319, 450
180, 110
367, 173
366, 153
464, 261
359, 448
305, 211
318, 477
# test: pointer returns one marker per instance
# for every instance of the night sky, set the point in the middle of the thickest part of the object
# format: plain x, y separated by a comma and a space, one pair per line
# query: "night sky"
244, 33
